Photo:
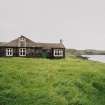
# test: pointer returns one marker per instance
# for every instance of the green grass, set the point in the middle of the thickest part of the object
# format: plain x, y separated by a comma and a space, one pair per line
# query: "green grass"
70, 81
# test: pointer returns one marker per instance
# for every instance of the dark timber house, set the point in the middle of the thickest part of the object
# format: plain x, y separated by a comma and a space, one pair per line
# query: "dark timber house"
23, 46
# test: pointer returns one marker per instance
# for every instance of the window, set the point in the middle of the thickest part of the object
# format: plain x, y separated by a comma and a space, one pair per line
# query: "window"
9, 51
58, 52
21, 39
22, 52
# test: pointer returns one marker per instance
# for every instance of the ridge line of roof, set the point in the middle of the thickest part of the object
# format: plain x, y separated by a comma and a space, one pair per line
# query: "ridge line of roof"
31, 43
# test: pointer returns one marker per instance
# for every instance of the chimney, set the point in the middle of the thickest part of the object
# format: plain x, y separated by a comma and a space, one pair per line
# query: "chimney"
61, 41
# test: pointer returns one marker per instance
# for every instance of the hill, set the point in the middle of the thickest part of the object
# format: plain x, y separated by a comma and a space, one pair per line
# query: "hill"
84, 52
70, 81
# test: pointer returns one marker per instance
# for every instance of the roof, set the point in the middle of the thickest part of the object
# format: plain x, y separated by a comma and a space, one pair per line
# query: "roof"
30, 43
51, 45
2, 43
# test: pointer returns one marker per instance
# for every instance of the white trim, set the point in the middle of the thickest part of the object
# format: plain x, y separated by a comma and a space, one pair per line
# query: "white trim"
58, 53
9, 51
22, 51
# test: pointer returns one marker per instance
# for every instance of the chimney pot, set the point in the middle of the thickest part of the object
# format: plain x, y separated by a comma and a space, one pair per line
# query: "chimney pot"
61, 41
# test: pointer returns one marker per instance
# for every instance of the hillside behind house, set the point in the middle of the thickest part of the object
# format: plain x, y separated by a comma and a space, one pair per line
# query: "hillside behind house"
84, 52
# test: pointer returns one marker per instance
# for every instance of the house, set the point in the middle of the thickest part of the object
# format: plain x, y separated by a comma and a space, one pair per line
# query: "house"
24, 47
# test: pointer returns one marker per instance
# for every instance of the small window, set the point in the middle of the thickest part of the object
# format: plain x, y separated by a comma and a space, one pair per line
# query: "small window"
22, 39
58, 52
9, 51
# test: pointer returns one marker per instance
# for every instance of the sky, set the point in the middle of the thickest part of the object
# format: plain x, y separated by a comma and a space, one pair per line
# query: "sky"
79, 23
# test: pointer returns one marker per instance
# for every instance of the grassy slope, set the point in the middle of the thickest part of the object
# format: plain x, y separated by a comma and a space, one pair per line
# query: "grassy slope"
27, 81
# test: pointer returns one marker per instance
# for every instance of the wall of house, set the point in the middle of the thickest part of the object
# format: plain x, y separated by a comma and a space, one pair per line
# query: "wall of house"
30, 52
15, 52
38, 52
2, 51
34, 52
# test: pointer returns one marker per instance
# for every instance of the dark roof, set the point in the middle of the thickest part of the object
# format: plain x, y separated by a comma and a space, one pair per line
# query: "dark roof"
14, 43
2, 43
51, 45
30, 43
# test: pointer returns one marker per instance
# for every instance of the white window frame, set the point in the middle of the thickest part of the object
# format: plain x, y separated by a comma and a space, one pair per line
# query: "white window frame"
9, 51
22, 51
58, 52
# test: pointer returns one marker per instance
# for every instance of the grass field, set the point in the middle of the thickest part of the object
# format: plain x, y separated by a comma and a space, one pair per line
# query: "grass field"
70, 81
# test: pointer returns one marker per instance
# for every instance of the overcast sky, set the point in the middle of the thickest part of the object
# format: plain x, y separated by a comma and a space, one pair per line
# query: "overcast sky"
80, 23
